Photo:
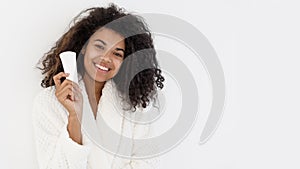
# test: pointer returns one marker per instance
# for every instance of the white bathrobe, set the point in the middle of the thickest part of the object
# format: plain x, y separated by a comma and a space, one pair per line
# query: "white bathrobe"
56, 150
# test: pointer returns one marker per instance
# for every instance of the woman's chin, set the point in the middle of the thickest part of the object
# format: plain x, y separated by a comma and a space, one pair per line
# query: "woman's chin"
101, 79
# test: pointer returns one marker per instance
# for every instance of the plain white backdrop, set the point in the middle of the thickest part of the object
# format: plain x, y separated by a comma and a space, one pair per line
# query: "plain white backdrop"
257, 42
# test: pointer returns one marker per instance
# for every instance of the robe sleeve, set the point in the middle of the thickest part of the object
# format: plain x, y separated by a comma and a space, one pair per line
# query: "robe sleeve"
54, 147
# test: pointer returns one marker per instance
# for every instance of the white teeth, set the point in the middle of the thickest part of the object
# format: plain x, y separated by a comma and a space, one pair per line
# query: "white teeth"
102, 67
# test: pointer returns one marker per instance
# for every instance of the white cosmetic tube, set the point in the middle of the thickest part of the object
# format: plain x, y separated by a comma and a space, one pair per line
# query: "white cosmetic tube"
68, 59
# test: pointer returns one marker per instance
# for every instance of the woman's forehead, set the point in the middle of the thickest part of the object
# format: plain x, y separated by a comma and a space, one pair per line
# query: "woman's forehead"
108, 36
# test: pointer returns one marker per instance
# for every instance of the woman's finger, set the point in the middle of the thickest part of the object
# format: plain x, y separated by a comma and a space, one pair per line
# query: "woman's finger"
76, 86
76, 96
72, 96
64, 95
57, 78
65, 83
65, 90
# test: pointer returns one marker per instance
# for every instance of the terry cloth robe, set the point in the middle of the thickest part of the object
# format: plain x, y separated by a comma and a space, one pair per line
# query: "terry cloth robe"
56, 150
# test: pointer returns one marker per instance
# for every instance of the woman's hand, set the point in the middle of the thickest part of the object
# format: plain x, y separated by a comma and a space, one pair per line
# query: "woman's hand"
69, 95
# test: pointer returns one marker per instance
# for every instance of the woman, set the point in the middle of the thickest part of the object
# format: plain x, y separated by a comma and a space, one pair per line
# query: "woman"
115, 59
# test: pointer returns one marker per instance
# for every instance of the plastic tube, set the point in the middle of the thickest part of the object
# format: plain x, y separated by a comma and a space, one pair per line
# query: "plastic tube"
68, 59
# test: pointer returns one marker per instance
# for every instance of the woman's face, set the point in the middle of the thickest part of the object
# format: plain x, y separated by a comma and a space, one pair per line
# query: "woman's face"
104, 54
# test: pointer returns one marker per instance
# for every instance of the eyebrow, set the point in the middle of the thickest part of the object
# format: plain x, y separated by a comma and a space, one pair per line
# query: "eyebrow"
118, 49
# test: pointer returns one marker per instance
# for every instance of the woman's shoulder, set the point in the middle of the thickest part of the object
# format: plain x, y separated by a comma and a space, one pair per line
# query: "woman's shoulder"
46, 104
45, 95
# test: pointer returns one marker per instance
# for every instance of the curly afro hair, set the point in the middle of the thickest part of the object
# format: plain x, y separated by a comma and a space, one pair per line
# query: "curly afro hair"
139, 76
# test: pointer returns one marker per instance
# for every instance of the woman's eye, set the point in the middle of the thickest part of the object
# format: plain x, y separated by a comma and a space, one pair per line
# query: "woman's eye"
118, 54
100, 47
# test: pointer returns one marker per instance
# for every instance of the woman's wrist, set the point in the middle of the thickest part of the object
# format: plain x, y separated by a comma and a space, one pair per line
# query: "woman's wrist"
74, 129
73, 116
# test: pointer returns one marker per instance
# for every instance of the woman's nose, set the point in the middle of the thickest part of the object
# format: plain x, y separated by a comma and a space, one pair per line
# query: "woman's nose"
106, 57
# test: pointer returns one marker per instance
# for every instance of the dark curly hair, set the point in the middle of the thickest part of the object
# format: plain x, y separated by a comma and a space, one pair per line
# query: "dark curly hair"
139, 75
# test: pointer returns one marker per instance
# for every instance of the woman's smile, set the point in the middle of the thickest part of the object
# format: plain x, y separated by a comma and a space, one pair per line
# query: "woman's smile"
102, 68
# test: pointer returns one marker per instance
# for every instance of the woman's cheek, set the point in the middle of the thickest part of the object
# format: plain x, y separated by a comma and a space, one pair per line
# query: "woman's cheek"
119, 65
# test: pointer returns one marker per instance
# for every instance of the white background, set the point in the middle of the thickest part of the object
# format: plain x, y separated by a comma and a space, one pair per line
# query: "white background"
257, 42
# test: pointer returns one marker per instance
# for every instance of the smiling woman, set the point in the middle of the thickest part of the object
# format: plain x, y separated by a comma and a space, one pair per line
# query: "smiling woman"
115, 59
103, 56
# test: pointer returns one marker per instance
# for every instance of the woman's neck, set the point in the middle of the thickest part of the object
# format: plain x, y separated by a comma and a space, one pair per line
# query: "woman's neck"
93, 90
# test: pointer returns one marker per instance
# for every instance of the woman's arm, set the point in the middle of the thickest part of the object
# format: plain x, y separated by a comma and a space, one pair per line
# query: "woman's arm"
74, 129
54, 145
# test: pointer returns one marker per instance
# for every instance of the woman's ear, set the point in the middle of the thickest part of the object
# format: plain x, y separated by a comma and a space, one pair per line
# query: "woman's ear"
84, 47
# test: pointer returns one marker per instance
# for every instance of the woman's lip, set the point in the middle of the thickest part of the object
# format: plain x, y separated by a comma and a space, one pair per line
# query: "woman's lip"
102, 65
100, 70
